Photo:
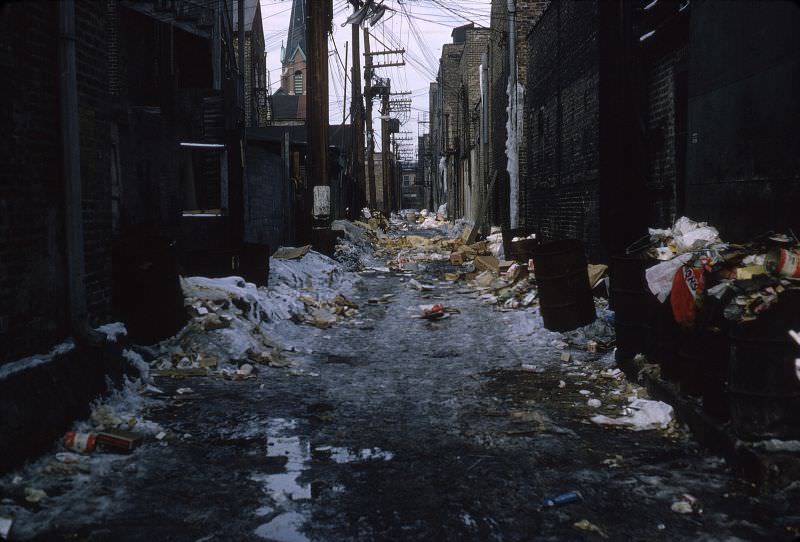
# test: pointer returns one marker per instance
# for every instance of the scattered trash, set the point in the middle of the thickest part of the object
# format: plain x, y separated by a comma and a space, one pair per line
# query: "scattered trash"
591, 346
687, 505
560, 500
291, 253
586, 525
414, 283
33, 495
161, 435
640, 415
566, 356
783, 262
613, 462
184, 391
116, 439
434, 312
79, 442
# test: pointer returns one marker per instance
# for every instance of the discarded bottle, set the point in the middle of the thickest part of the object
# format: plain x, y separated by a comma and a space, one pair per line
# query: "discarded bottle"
559, 500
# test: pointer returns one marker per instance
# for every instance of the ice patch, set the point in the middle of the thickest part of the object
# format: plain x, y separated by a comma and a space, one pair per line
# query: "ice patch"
284, 528
113, 331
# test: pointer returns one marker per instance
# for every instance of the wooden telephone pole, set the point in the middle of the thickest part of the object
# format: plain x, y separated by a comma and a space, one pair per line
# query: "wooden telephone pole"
357, 114
388, 202
318, 23
368, 118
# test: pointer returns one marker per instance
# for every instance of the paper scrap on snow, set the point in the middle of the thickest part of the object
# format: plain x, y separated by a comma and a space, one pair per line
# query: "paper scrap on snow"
291, 253
644, 415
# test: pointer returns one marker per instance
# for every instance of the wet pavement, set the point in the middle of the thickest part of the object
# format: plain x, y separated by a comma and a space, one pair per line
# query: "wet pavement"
398, 428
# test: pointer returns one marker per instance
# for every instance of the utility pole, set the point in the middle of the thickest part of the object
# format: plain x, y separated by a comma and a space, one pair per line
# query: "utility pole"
385, 149
357, 116
368, 118
318, 22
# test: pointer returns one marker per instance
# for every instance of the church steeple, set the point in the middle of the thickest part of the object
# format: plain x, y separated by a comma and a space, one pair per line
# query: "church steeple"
297, 32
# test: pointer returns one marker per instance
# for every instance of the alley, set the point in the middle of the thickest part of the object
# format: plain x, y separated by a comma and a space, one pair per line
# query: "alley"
392, 427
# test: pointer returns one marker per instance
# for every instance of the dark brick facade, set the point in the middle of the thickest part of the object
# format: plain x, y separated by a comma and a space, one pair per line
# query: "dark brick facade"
32, 258
563, 115
743, 157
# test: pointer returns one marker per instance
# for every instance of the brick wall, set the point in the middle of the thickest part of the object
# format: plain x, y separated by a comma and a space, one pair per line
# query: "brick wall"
563, 114
743, 155
449, 81
528, 13
469, 121
32, 268
661, 167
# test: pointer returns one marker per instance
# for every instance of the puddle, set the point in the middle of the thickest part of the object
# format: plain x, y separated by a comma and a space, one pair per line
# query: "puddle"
288, 496
287, 493
348, 455
285, 486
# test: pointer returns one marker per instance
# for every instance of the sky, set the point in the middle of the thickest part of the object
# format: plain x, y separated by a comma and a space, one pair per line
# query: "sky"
420, 27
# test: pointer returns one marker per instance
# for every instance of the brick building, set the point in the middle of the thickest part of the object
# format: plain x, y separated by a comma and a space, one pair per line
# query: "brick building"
469, 182
742, 152
526, 14
157, 115
33, 287
588, 102
640, 112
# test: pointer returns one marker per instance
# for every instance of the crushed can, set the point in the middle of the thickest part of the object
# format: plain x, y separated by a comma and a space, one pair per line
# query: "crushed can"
560, 500
80, 442
785, 263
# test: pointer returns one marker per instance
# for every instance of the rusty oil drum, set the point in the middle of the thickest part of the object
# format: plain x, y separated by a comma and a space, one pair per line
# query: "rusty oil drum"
565, 297
763, 383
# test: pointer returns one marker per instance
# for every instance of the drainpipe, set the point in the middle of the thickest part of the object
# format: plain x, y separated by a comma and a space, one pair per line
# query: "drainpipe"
513, 167
71, 167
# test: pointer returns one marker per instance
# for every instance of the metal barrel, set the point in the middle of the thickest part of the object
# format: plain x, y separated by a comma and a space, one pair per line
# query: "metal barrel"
565, 297
662, 339
763, 385
632, 303
701, 367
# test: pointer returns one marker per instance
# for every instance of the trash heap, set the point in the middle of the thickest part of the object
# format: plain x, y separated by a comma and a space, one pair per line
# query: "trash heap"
708, 281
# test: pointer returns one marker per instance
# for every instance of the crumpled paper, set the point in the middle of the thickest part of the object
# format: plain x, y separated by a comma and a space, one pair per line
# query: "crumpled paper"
643, 415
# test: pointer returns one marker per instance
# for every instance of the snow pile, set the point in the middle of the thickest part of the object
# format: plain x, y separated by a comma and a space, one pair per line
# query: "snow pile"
357, 247
314, 274
231, 318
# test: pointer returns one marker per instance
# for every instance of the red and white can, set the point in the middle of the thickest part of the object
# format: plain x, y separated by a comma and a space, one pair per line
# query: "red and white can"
783, 262
79, 442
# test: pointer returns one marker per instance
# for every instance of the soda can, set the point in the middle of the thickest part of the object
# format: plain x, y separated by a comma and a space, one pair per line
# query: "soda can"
79, 442
560, 500
783, 262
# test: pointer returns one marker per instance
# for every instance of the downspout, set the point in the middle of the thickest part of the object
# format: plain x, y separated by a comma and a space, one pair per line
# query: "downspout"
511, 141
71, 166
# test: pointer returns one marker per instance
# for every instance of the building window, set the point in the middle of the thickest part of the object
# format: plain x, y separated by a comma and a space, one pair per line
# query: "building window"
298, 82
